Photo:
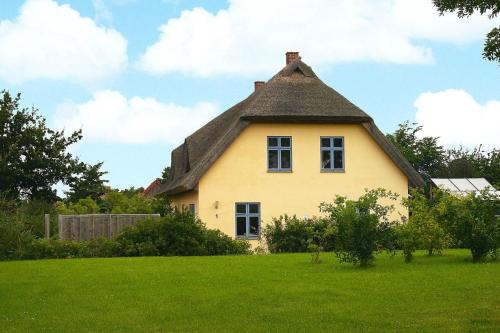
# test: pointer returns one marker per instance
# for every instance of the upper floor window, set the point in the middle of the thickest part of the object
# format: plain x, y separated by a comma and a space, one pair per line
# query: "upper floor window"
279, 153
332, 153
247, 219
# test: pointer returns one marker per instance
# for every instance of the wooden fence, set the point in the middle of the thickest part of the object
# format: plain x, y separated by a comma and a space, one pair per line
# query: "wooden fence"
90, 226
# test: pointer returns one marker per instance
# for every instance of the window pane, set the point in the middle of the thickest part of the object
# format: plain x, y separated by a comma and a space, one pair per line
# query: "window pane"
272, 142
254, 225
325, 142
338, 142
273, 159
241, 226
241, 208
285, 142
254, 208
337, 159
286, 159
326, 159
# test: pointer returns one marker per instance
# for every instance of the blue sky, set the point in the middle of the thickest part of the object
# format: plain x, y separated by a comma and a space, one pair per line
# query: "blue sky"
137, 90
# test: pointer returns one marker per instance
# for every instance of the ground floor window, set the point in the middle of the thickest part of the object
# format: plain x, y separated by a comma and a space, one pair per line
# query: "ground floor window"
192, 209
247, 219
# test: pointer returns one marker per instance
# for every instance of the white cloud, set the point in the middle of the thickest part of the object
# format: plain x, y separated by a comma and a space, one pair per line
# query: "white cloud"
102, 12
458, 119
53, 41
251, 36
111, 117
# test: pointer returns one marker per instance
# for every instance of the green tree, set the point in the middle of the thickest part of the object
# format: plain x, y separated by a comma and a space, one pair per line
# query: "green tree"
465, 8
476, 226
359, 227
33, 158
165, 174
425, 154
88, 183
465, 163
408, 239
425, 221
82, 206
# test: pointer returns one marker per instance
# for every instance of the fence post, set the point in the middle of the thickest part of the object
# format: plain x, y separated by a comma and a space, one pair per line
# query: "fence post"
47, 226
60, 218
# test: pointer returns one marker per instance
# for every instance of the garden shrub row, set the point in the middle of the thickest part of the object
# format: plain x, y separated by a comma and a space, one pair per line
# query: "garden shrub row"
356, 229
176, 234
353, 229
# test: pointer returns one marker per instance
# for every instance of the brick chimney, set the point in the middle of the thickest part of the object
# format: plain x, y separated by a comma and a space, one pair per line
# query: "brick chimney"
258, 85
291, 56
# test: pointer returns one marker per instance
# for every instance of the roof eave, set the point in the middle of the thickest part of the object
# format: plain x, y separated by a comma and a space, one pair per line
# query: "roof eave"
414, 178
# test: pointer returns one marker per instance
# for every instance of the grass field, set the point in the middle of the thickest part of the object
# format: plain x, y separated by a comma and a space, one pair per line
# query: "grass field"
250, 293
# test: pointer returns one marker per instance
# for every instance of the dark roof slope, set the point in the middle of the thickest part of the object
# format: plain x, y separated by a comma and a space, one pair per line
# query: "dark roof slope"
295, 94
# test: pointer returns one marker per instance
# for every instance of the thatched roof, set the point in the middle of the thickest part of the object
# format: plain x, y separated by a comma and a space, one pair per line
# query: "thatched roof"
294, 95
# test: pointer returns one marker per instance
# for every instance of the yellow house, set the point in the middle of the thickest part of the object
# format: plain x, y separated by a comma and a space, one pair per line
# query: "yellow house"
290, 145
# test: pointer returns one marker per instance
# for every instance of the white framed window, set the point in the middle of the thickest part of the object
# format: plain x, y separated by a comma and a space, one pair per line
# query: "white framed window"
332, 153
247, 219
279, 153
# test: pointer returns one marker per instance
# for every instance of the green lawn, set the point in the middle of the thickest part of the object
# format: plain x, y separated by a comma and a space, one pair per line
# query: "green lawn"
250, 293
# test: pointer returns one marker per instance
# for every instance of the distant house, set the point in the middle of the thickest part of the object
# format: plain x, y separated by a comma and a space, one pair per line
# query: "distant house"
152, 188
290, 145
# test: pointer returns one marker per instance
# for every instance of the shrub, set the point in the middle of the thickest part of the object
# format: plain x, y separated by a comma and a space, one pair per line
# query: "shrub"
177, 234
142, 240
14, 238
477, 226
57, 249
427, 221
217, 243
408, 239
358, 227
20, 223
315, 251
291, 234
100, 247
53, 248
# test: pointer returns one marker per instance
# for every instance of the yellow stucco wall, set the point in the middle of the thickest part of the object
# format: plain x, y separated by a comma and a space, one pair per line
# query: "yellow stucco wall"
241, 175
182, 201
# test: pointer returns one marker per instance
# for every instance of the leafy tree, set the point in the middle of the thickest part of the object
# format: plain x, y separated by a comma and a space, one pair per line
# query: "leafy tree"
82, 206
358, 227
433, 161
33, 158
408, 239
425, 221
476, 226
425, 154
465, 8
165, 175
88, 183
464, 163
131, 191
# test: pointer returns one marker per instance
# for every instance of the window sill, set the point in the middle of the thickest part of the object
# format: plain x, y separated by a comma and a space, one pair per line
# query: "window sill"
248, 237
279, 171
332, 171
